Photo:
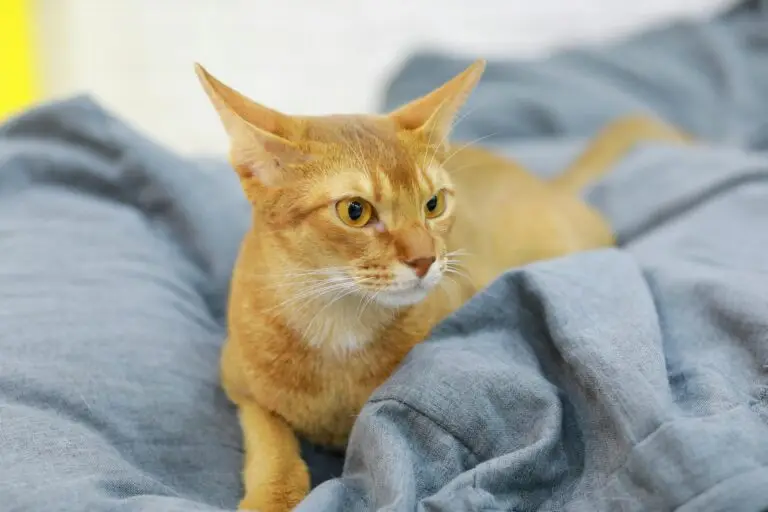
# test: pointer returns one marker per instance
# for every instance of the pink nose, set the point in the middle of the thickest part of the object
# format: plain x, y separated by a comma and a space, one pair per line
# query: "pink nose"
421, 265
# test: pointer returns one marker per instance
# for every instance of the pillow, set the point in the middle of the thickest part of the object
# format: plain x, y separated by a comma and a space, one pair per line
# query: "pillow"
115, 257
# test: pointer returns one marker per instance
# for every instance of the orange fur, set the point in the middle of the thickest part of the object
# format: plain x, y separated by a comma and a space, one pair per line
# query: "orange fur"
321, 313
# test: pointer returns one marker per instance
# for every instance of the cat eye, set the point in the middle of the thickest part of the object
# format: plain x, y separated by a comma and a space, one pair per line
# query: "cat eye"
435, 206
355, 211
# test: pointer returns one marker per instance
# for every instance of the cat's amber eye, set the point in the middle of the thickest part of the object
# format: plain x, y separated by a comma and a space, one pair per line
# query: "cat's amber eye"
435, 207
355, 211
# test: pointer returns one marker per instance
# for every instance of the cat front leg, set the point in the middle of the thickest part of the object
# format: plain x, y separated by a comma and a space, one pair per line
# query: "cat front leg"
275, 477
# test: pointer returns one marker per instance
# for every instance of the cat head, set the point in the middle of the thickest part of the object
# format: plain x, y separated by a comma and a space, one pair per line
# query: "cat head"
361, 199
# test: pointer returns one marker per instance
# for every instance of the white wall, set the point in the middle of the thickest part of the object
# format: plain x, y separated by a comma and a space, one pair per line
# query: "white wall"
300, 56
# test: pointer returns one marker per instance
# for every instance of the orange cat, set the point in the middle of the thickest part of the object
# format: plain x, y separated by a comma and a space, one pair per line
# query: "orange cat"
367, 230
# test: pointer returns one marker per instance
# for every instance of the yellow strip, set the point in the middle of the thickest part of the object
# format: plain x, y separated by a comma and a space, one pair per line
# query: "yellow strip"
18, 80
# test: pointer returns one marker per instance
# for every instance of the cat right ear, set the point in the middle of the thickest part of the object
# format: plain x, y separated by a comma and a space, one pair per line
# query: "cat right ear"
259, 137
434, 113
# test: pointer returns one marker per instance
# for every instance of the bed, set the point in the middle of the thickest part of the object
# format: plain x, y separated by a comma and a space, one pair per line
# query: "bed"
630, 378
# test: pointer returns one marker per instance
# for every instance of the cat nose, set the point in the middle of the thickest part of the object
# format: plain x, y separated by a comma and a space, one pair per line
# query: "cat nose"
421, 265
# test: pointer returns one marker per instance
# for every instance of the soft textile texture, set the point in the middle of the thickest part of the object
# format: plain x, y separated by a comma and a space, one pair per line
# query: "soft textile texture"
625, 379
115, 257
113, 278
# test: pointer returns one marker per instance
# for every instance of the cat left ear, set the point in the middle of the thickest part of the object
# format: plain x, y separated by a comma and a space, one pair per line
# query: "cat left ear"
435, 112
260, 145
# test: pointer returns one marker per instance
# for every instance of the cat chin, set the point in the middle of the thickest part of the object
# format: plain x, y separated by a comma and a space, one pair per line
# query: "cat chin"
416, 290
402, 298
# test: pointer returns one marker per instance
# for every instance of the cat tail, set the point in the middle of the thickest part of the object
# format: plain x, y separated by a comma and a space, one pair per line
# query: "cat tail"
611, 145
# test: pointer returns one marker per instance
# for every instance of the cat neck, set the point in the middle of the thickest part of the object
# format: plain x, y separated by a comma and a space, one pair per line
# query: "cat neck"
334, 324
337, 322
340, 326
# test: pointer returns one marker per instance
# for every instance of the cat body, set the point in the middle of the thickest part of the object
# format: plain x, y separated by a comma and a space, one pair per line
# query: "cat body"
366, 232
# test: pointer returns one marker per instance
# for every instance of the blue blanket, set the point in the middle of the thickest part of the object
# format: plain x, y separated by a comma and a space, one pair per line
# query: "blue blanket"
631, 378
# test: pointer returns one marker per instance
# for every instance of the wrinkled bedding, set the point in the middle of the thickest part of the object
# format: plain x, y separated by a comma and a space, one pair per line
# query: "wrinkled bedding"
632, 378
628, 379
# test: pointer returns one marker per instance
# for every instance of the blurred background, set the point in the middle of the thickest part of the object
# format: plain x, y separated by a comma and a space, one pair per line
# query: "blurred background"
299, 56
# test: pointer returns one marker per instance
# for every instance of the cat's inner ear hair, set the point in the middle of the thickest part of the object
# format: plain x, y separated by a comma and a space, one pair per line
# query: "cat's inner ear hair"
259, 137
435, 112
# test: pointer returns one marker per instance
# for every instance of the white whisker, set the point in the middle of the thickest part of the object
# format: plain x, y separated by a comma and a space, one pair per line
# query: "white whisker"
351, 288
367, 302
448, 132
475, 141
458, 252
312, 292
453, 270
441, 286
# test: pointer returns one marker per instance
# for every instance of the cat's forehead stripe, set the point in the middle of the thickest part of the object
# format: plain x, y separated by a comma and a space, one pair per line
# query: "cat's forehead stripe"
431, 174
379, 166
352, 182
401, 169
376, 184
376, 150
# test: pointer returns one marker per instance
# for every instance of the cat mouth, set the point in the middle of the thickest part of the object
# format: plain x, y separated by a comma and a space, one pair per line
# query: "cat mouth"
403, 296
403, 290
406, 294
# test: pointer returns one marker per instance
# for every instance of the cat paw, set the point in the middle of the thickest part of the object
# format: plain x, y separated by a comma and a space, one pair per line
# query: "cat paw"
269, 503
282, 496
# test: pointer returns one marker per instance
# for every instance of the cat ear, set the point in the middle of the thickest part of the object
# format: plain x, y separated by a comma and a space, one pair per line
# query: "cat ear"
258, 136
434, 113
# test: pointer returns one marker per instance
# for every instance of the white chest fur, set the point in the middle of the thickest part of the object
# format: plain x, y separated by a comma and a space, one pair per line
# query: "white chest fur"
343, 327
